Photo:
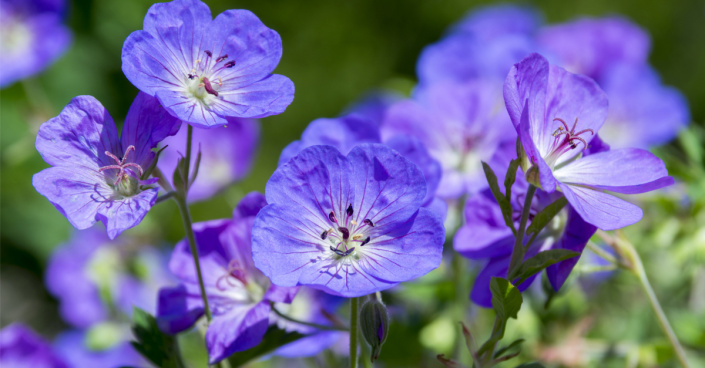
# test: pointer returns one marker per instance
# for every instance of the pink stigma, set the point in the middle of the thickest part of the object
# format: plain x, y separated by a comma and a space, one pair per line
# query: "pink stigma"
121, 165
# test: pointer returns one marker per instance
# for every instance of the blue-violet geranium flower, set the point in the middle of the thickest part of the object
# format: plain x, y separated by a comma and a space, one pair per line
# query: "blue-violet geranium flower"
348, 225
557, 114
95, 174
204, 70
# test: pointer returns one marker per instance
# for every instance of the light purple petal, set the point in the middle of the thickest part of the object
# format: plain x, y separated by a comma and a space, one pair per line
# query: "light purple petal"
605, 211
268, 96
491, 22
484, 235
22, 347
242, 328
628, 170
526, 84
79, 136
147, 123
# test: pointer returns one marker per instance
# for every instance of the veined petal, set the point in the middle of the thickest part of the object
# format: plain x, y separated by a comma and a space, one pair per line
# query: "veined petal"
125, 213
546, 178
241, 36
177, 309
605, 211
525, 85
628, 170
79, 136
151, 66
147, 123
190, 109
268, 96
389, 187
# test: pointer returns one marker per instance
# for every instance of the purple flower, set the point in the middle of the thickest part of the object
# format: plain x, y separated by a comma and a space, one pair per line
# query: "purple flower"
492, 22
348, 225
460, 125
557, 114
204, 70
239, 295
95, 175
71, 346
347, 131
90, 275
33, 37
20, 347
227, 154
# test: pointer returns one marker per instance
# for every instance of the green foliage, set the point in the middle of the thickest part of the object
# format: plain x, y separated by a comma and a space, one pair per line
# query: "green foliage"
506, 302
156, 346
540, 261
544, 217
502, 200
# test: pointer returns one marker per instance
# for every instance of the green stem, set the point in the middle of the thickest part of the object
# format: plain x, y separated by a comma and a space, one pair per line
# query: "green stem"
637, 268
519, 251
315, 325
354, 304
189, 138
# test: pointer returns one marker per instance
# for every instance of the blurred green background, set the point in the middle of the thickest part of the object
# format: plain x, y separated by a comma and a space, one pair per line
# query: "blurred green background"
335, 51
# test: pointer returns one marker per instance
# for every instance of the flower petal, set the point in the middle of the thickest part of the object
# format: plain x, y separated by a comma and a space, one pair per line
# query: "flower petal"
268, 96
242, 328
147, 123
575, 236
177, 309
628, 170
484, 234
525, 85
605, 211
79, 136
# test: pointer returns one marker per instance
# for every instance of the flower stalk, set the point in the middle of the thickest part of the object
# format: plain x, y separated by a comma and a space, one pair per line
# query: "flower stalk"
635, 266
354, 306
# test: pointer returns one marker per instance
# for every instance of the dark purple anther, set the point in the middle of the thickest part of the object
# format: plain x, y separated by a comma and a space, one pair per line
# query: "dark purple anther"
349, 210
365, 241
324, 234
331, 216
369, 222
208, 87
229, 64
345, 232
191, 76
210, 54
348, 251
221, 58
341, 253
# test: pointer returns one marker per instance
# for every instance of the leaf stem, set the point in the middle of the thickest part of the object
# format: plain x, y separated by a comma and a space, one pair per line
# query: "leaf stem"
519, 251
637, 268
354, 305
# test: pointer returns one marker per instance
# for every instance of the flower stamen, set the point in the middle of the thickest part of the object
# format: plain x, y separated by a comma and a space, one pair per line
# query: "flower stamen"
121, 165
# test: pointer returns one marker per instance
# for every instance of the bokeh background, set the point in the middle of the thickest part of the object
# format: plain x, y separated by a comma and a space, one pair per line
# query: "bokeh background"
335, 52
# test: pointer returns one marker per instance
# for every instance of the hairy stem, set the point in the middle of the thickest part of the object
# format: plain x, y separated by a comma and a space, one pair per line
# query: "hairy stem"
354, 304
314, 325
637, 268
519, 251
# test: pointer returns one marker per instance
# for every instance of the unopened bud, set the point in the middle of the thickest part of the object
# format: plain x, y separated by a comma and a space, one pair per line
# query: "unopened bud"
374, 323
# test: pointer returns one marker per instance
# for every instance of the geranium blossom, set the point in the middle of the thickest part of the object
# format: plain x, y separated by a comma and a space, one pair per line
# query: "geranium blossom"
557, 114
204, 70
348, 225
21, 347
239, 295
95, 174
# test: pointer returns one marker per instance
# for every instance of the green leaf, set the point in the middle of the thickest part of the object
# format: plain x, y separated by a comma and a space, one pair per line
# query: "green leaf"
273, 338
531, 365
514, 343
506, 302
179, 177
510, 178
501, 199
158, 347
545, 216
540, 261
506, 299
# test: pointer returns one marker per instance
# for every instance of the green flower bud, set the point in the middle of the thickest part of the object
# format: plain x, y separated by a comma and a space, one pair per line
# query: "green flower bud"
374, 323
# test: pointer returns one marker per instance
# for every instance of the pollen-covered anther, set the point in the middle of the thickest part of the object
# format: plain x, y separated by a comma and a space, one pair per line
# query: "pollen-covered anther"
571, 135
357, 237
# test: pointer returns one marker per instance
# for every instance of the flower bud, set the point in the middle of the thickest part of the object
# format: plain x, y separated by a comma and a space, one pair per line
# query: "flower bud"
374, 322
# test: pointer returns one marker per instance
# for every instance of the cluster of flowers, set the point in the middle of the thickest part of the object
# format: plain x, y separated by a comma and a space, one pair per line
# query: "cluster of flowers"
358, 204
